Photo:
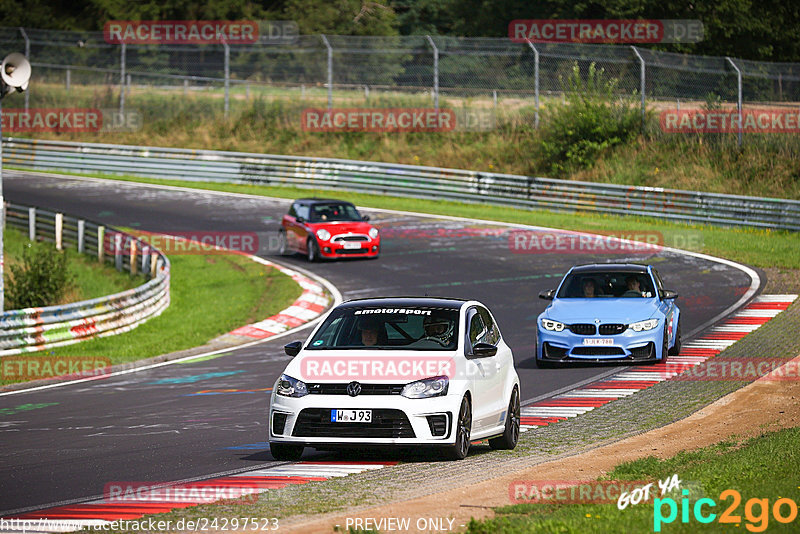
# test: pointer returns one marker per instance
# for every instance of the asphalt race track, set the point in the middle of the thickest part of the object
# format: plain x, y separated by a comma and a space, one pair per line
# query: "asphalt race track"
68, 442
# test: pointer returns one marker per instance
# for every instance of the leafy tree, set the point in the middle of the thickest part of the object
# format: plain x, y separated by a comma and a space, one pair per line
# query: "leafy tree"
342, 17
40, 279
575, 134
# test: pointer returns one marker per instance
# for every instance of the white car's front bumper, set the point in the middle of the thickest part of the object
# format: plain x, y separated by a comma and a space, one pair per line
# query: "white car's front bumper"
396, 420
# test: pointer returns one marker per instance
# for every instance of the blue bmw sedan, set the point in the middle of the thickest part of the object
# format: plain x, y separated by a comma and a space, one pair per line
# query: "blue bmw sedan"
609, 312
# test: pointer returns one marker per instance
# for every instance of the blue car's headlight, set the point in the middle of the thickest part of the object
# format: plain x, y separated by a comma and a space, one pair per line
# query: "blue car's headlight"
290, 387
644, 325
427, 387
549, 324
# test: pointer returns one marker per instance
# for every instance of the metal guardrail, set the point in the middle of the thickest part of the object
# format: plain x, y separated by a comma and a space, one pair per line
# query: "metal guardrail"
405, 180
34, 329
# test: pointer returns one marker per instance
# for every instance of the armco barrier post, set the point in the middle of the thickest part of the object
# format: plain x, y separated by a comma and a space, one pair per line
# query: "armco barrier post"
81, 235
59, 230
31, 224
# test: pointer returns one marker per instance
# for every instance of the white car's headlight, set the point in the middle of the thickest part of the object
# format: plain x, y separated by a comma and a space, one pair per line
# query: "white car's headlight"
290, 387
373, 233
644, 325
323, 234
549, 324
427, 387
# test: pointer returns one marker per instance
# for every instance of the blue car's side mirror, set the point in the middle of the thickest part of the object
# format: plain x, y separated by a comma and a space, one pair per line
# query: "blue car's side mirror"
548, 295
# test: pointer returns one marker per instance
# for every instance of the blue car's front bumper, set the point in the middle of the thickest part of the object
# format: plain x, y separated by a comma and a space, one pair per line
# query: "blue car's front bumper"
629, 346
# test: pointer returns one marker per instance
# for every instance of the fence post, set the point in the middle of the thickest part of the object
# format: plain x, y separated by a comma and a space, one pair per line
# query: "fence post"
738, 99
81, 235
69, 76
642, 79
227, 74
535, 83
59, 230
118, 251
101, 237
28, 56
330, 70
435, 73
122, 80
133, 256
31, 224
146, 259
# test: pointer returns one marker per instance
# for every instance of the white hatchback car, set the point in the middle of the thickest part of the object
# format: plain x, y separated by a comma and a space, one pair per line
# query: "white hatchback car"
400, 372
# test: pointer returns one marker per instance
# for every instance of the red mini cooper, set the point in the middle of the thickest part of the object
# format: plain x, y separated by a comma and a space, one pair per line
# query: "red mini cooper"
326, 228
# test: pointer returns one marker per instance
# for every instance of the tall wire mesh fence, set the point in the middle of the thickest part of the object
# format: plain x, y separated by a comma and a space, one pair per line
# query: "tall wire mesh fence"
516, 80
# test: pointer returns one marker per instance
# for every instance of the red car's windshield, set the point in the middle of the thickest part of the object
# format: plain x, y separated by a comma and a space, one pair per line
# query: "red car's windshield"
334, 212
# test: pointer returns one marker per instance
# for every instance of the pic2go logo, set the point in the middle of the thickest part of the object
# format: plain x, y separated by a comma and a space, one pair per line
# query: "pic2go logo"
757, 520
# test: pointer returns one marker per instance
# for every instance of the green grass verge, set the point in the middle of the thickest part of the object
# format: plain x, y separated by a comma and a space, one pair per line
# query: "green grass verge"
759, 248
764, 467
89, 278
209, 296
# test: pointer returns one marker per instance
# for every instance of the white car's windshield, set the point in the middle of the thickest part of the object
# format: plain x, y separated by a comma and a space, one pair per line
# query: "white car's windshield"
625, 284
412, 328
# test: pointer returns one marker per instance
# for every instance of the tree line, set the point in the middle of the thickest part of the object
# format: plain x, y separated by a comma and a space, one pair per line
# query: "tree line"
751, 29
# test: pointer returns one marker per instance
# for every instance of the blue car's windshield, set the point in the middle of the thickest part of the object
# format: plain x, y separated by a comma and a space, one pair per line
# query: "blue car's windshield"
607, 285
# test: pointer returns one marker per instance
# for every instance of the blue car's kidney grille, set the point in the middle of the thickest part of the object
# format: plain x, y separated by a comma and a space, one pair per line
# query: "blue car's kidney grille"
612, 329
583, 329
598, 351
